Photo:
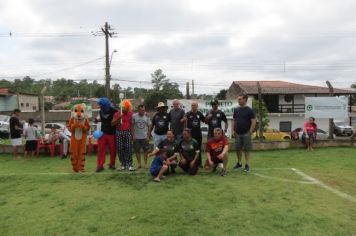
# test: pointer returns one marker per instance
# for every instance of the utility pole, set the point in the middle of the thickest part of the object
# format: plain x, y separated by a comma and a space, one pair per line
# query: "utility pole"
193, 88
260, 120
187, 91
43, 117
107, 31
331, 121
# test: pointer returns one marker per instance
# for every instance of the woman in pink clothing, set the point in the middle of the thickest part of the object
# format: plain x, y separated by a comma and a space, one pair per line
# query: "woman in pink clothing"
309, 130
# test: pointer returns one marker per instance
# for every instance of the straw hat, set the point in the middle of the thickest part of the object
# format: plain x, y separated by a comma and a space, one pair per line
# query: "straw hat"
161, 104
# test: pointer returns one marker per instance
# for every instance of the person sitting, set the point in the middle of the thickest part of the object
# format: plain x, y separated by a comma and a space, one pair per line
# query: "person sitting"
50, 138
309, 133
217, 152
64, 137
160, 165
171, 147
189, 153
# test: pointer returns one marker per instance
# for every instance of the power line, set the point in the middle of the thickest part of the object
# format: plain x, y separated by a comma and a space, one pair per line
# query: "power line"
69, 68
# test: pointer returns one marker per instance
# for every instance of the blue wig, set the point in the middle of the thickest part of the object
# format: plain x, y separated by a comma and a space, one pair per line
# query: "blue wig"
104, 103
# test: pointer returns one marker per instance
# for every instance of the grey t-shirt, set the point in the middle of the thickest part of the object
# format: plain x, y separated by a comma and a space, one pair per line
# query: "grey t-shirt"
176, 116
141, 124
30, 133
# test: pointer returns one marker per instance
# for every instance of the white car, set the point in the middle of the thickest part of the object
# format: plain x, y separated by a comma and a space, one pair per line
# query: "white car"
342, 129
320, 134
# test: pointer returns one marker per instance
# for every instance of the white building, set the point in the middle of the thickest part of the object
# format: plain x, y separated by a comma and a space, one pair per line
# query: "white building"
286, 101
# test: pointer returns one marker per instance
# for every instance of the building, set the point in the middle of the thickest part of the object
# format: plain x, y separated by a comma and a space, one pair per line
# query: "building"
285, 101
26, 102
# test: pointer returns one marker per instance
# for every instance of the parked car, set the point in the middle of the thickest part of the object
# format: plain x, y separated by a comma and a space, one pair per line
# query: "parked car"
273, 135
342, 129
4, 126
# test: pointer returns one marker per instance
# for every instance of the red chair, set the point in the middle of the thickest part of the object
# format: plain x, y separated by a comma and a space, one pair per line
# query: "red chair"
49, 146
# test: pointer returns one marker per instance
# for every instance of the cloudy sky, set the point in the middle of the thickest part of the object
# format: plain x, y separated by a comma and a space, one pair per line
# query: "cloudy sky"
211, 42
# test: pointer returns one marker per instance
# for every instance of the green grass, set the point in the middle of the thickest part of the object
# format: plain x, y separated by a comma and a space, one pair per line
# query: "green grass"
112, 203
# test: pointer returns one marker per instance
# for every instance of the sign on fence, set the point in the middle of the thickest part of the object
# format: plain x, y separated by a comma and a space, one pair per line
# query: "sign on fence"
226, 106
326, 107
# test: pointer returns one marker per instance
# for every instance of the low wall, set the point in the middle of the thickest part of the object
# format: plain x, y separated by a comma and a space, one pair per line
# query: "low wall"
257, 146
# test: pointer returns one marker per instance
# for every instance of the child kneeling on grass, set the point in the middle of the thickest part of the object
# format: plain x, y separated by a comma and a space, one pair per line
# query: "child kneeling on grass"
159, 165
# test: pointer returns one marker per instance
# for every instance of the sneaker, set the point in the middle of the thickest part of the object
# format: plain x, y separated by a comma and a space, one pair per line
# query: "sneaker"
64, 156
247, 168
156, 180
112, 167
99, 169
223, 172
238, 166
131, 168
122, 168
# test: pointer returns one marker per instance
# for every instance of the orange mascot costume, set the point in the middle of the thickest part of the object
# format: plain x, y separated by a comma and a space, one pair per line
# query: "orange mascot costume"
79, 127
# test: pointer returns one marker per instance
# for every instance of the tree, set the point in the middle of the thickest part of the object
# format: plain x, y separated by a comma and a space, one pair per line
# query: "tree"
221, 95
265, 118
158, 79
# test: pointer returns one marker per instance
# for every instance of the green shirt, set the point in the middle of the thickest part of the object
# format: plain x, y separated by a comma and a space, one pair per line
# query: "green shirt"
170, 147
188, 149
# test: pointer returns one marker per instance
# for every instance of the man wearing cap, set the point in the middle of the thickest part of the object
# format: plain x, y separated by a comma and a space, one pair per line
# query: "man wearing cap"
160, 123
214, 117
177, 120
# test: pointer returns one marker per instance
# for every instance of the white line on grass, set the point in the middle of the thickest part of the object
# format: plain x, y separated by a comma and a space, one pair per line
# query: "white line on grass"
321, 184
284, 180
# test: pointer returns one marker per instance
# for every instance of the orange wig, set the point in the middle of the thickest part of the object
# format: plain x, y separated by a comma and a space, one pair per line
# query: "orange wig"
126, 105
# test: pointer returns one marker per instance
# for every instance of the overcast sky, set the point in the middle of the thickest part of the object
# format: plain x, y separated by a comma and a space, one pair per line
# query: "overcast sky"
213, 42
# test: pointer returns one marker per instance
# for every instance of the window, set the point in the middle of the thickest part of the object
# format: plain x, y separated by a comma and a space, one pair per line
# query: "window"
34, 108
27, 104
285, 126
21, 104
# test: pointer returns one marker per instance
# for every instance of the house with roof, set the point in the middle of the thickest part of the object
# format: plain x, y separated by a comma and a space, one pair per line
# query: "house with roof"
285, 101
26, 102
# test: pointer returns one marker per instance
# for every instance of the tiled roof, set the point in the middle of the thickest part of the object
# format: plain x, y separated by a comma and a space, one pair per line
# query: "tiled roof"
282, 87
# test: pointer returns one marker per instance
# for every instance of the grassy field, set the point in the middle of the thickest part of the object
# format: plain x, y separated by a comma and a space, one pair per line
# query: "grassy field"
42, 197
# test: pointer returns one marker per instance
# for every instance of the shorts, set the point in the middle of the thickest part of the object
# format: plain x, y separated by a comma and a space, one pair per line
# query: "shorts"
243, 142
311, 136
141, 144
16, 142
186, 167
213, 159
158, 139
155, 170
31, 145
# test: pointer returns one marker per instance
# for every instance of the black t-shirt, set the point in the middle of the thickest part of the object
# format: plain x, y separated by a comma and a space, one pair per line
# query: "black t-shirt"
171, 147
106, 118
161, 122
14, 133
193, 122
215, 121
242, 117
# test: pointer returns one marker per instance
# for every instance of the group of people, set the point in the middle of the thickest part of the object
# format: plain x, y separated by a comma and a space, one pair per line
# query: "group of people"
176, 134
32, 135
177, 137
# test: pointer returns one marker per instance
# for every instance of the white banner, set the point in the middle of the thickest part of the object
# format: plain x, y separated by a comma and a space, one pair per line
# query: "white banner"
227, 106
326, 107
